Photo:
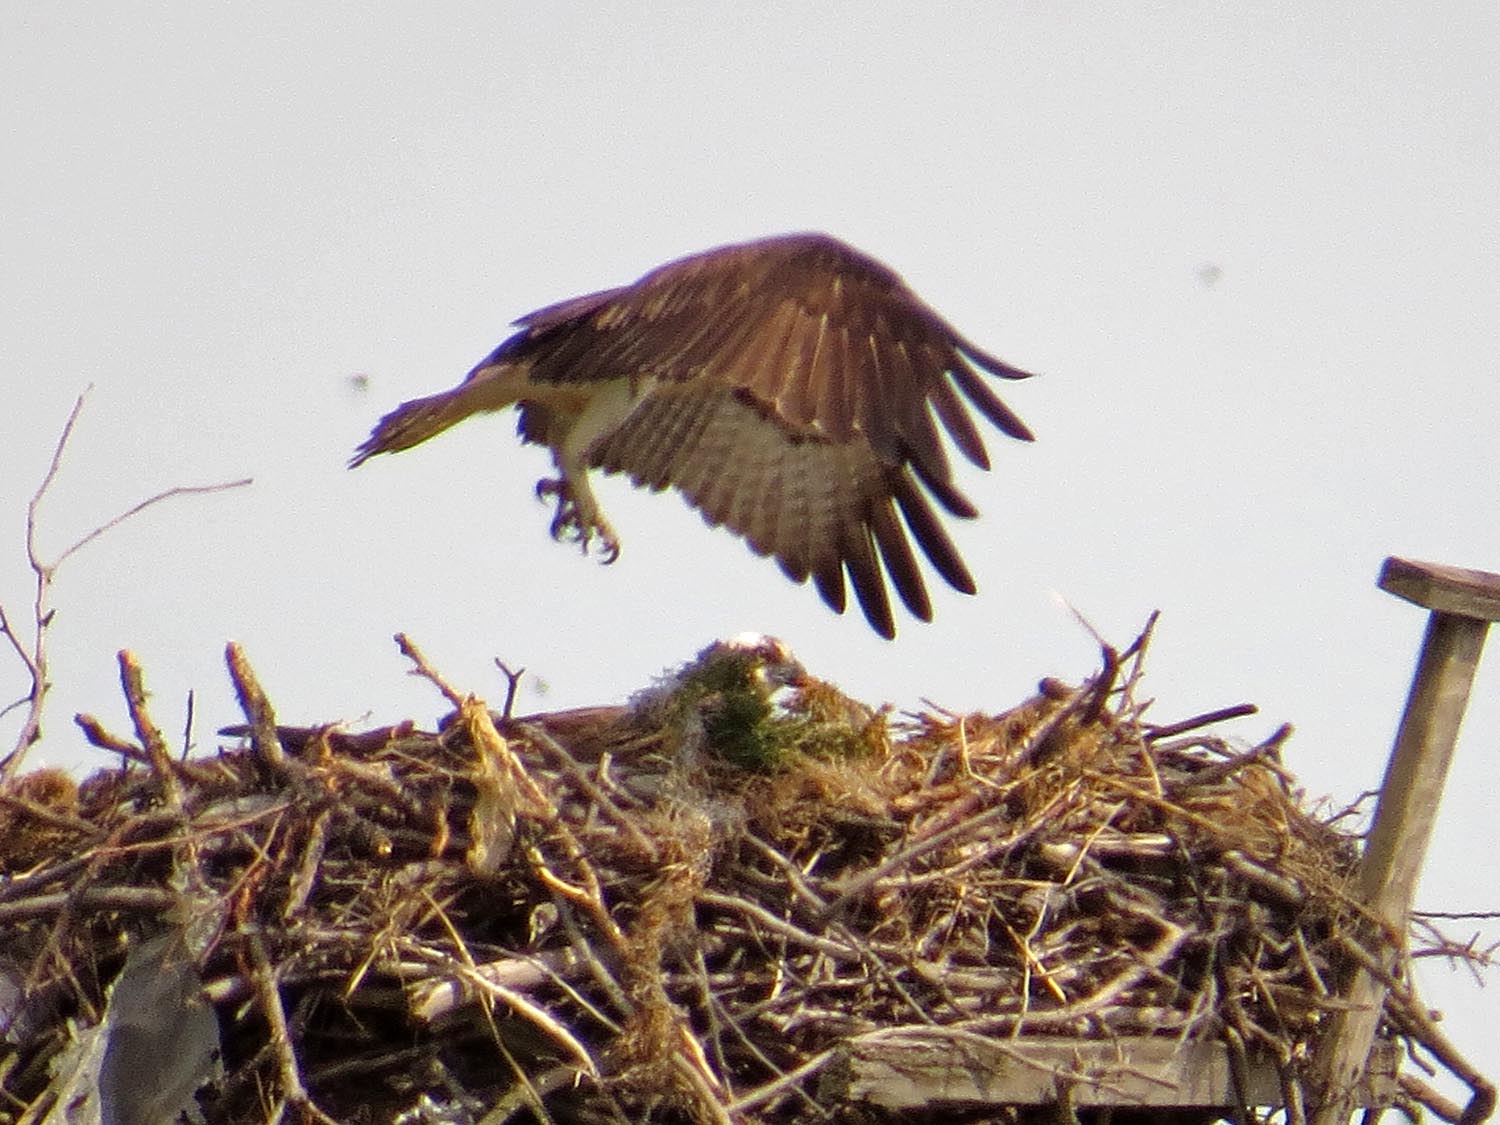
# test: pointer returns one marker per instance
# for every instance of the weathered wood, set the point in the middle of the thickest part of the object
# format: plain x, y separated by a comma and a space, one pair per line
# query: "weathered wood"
1418, 767
1464, 602
1448, 589
936, 1068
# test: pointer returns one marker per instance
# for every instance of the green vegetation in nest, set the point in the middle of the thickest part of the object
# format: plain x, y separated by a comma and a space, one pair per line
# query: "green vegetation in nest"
749, 703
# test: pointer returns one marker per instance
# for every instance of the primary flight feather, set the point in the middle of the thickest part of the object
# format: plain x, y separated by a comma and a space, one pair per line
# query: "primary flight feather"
789, 387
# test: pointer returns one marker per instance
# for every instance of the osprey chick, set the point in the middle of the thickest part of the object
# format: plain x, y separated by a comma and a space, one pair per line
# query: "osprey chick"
788, 387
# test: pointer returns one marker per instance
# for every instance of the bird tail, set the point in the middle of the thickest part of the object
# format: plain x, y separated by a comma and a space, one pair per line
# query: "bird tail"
414, 422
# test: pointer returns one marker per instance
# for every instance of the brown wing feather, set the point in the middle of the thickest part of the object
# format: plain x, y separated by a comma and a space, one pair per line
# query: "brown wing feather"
899, 561
823, 509
929, 533
864, 576
828, 578
800, 387
714, 312
950, 409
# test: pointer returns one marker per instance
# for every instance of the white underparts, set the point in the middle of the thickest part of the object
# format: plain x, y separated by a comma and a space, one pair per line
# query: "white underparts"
604, 413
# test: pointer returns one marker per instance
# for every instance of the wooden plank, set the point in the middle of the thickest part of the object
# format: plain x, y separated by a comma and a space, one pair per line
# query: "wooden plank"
1464, 602
1450, 589
935, 1068
1418, 767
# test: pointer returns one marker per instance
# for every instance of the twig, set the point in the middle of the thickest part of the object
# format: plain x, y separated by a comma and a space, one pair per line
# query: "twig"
512, 684
135, 900
1445, 1108
627, 824
1286, 889
1147, 961
257, 708
528, 1092
132, 681
410, 650
46, 815
187, 725
1403, 1008
869, 877
836, 949
33, 657
589, 957
94, 731
309, 865
150, 501
1154, 733
268, 998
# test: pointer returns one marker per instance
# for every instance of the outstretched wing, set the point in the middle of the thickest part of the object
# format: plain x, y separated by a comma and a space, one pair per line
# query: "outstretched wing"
820, 507
798, 386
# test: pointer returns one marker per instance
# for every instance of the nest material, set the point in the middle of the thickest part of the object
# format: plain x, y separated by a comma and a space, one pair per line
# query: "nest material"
685, 909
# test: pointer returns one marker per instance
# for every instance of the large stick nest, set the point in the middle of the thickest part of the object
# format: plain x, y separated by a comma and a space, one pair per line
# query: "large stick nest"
684, 909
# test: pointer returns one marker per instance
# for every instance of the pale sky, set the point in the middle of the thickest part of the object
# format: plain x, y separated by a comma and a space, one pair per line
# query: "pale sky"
218, 215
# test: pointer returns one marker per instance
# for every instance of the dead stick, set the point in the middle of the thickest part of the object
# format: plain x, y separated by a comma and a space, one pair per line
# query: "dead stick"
602, 800
970, 827
257, 708
94, 731
268, 996
426, 671
142, 900
38, 811
512, 685
1265, 754
1411, 1017
133, 682
1414, 1088
1207, 719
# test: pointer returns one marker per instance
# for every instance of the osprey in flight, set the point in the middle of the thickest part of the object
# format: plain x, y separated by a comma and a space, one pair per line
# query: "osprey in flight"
788, 387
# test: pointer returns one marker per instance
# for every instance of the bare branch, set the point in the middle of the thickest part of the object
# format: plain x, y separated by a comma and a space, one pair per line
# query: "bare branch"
1170, 730
133, 682
512, 684
94, 731
33, 654
181, 490
426, 671
257, 708
15, 642
47, 478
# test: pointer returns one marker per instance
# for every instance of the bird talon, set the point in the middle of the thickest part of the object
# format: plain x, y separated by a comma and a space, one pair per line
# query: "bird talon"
575, 522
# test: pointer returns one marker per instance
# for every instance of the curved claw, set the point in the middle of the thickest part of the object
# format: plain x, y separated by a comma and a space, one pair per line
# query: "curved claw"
572, 522
563, 523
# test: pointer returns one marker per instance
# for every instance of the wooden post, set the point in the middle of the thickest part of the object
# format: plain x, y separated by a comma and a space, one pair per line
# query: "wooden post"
1463, 603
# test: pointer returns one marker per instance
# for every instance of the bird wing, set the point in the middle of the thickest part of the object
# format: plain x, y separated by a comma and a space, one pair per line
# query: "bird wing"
823, 337
797, 389
822, 508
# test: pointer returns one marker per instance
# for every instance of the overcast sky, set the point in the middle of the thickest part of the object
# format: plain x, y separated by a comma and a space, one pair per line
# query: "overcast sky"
1254, 255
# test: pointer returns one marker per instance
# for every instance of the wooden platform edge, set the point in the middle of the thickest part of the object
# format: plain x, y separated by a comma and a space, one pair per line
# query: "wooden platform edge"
1447, 589
912, 1068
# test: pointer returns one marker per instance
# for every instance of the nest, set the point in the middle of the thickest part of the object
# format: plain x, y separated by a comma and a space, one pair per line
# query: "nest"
735, 899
